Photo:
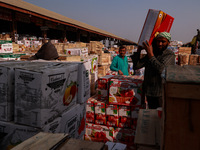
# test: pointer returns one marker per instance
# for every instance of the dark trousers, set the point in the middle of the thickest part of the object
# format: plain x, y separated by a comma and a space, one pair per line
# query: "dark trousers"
154, 102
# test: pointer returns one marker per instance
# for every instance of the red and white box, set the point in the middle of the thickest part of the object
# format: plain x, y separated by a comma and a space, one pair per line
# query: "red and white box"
100, 112
125, 91
99, 133
124, 116
156, 21
90, 109
103, 87
112, 113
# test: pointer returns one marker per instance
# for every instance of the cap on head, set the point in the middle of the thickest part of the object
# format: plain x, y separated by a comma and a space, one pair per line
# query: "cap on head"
165, 35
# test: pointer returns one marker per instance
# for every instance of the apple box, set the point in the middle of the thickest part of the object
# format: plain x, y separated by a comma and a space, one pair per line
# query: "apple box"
14, 134
7, 82
112, 113
94, 63
124, 91
103, 82
42, 93
124, 116
6, 46
83, 80
90, 109
73, 121
100, 112
98, 133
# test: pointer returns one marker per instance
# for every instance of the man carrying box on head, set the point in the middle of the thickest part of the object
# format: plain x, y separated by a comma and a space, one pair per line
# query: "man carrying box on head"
157, 59
120, 62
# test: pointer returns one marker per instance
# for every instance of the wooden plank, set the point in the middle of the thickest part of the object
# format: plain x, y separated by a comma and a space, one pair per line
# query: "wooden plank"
43, 141
184, 91
76, 144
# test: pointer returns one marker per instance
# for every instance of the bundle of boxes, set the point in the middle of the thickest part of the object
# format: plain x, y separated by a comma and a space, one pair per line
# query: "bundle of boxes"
42, 96
111, 114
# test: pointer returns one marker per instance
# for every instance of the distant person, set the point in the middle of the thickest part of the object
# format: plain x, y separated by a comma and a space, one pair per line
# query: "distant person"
46, 52
120, 62
157, 59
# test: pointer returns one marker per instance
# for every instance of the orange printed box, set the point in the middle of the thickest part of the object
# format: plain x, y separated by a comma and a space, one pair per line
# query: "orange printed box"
156, 21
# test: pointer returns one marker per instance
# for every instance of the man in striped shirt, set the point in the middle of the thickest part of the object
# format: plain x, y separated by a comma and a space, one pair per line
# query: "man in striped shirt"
157, 59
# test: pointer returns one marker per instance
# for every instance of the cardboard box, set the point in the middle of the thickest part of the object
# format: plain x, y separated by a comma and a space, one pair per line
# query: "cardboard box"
103, 87
83, 80
90, 109
156, 21
71, 122
13, 134
124, 116
44, 93
98, 133
7, 82
184, 50
148, 128
100, 112
125, 91
112, 115
181, 126
82, 52
94, 63
6, 46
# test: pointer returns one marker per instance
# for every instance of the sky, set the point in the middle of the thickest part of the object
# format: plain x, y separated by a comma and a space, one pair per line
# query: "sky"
125, 18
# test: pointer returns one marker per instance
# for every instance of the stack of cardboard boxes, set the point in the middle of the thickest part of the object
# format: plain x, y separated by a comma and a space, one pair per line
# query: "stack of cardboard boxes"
42, 96
111, 115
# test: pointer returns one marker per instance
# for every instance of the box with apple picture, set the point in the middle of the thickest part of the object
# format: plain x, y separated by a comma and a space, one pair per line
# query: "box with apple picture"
112, 113
98, 133
90, 109
42, 93
100, 112
103, 87
125, 91
124, 116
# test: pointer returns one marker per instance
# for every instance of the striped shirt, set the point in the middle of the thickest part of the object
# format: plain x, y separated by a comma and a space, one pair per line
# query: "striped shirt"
154, 67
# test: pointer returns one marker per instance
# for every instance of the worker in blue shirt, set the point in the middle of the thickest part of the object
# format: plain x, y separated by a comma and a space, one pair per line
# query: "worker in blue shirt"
120, 62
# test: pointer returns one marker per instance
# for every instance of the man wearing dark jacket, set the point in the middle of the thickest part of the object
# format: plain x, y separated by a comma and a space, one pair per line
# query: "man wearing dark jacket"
157, 59
46, 52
